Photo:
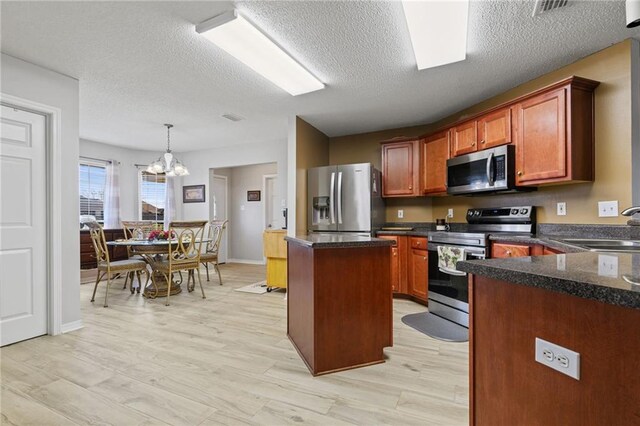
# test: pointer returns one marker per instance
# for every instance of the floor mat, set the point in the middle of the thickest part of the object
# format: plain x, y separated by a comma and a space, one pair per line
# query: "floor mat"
436, 327
257, 288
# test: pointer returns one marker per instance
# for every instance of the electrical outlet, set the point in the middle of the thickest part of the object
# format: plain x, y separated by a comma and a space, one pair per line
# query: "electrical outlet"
608, 266
400, 214
561, 262
608, 208
450, 213
560, 359
562, 209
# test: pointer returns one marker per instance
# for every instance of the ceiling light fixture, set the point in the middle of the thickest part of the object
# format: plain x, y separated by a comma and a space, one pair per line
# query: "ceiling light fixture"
168, 164
238, 37
438, 31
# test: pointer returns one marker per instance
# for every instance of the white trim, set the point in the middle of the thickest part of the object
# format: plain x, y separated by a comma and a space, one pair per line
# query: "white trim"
635, 124
264, 191
71, 326
212, 176
54, 204
247, 261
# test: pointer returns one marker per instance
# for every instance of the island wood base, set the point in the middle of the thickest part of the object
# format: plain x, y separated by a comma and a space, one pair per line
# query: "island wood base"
339, 306
508, 387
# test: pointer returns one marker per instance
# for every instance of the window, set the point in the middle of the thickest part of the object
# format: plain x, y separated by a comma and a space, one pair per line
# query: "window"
93, 180
152, 194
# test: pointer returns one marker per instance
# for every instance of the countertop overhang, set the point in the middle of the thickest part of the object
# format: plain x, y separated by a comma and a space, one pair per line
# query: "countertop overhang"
337, 241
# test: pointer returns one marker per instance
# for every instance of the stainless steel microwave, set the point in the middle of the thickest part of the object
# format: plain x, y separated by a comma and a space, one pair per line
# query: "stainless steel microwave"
490, 170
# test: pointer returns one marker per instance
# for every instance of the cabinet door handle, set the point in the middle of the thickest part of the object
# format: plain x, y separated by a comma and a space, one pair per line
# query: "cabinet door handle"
508, 252
483, 141
519, 173
410, 186
473, 144
424, 258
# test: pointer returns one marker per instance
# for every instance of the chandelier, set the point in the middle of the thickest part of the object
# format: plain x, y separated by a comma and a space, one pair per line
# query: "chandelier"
168, 164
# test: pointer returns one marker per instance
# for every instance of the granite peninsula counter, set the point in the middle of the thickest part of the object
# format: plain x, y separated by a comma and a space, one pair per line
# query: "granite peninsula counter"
585, 302
339, 300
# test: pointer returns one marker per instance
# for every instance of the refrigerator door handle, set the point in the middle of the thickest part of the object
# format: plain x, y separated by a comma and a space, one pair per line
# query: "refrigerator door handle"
339, 197
332, 191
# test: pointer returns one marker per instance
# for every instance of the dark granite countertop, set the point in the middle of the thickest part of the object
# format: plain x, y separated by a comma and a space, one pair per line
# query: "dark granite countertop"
605, 277
337, 241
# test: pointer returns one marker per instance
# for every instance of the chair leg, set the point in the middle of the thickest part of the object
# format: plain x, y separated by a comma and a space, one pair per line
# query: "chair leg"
126, 278
106, 293
98, 278
206, 266
146, 283
200, 282
168, 277
218, 271
139, 283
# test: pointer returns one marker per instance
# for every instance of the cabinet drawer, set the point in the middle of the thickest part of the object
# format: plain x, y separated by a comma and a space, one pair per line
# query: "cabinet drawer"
85, 237
419, 243
509, 250
393, 238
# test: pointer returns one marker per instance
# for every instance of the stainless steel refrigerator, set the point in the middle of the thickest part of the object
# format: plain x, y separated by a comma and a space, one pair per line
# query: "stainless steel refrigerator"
344, 198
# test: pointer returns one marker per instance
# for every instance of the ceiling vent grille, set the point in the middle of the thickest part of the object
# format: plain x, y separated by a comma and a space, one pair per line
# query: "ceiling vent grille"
232, 117
543, 6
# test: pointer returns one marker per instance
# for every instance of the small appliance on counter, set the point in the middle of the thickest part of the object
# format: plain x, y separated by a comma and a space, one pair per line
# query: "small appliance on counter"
344, 199
448, 289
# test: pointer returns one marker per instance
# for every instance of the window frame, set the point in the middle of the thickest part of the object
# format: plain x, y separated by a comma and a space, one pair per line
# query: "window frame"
140, 172
93, 163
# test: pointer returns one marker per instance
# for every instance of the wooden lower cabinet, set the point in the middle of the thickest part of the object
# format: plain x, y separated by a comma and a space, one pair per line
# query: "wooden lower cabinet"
88, 253
507, 385
418, 273
409, 266
506, 250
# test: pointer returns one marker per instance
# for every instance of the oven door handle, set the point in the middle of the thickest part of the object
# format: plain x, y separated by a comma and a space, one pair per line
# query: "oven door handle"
452, 272
490, 171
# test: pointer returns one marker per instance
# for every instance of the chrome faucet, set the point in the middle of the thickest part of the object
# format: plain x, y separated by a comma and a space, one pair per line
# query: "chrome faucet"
630, 211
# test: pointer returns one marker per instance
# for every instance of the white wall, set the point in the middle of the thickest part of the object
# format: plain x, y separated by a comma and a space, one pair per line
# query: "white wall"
246, 218
199, 163
128, 158
37, 84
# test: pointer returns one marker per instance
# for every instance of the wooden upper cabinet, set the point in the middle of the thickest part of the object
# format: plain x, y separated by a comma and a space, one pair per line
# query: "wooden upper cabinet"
542, 138
464, 138
434, 155
400, 169
494, 129
554, 135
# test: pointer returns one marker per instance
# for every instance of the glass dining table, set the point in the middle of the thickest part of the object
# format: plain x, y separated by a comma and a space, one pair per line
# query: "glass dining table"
152, 252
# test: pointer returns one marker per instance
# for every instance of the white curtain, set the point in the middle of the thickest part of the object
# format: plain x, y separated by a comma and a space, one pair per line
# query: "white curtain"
112, 197
169, 202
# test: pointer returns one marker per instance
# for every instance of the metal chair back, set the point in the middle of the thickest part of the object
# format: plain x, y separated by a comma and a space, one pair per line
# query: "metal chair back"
187, 239
216, 229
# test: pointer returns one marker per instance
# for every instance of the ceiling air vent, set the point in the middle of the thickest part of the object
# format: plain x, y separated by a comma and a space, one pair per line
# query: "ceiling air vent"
543, 6
232, 117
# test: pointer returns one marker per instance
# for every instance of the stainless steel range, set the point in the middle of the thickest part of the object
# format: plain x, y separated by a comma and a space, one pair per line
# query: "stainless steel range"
449, 290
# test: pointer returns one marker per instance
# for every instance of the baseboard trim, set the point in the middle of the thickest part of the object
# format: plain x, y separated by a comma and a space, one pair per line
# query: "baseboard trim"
248, 261
71, 326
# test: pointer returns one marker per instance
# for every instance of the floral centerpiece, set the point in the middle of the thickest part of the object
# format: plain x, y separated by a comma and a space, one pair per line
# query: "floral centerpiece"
160, 235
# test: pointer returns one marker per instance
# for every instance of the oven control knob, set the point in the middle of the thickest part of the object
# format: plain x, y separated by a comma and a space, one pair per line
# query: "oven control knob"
524, 211
476, 213
514, 211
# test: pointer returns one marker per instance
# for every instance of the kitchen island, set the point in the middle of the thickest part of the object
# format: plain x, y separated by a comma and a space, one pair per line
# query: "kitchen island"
586, 302
339, 301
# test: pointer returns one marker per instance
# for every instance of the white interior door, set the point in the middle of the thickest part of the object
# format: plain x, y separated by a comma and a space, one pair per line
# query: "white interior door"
23, 226
273, 211
218, 207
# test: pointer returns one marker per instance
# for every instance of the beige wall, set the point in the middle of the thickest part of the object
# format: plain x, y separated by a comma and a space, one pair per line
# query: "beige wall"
312, 150
612, 67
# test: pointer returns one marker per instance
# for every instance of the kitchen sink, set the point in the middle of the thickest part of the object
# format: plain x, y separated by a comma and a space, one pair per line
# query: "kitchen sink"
632, 246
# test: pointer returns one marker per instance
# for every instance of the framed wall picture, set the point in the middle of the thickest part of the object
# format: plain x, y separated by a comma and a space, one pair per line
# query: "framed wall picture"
193, 194
253, 195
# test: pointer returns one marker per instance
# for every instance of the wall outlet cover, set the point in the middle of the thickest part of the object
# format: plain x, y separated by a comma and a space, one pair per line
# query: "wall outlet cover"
400, 214
608, 208
562, 209
557, 357
450, 213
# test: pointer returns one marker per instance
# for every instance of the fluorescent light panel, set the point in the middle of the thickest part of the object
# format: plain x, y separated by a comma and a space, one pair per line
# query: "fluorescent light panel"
438, 31
238, 37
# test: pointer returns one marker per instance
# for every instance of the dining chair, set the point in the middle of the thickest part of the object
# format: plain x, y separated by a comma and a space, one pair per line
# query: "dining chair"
136, 229
184, 253
107, 267
216, 229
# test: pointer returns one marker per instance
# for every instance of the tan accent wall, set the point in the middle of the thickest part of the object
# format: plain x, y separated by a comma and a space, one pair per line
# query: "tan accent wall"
312, 150
612, 67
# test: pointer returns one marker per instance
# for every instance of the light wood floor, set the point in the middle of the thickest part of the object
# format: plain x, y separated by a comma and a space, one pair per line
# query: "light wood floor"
223, 360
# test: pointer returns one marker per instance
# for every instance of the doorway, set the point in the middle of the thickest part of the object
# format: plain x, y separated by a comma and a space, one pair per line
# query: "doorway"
23, 225
218, 209
273, 218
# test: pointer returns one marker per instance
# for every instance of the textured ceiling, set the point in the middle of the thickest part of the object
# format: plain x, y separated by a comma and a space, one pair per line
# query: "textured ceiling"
141, 64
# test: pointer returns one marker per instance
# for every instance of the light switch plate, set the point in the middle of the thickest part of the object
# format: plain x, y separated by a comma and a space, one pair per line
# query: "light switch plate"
608, 208
562, 209
450, 213
557, 357
400, 214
